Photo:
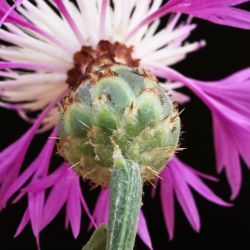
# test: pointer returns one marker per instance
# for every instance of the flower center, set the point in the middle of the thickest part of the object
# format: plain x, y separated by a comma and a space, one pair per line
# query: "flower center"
106, 53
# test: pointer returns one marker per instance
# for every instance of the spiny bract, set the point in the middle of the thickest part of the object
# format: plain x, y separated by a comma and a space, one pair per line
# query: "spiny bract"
117, 106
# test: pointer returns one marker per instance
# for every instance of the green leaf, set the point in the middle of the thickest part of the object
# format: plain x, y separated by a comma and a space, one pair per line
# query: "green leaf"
98, 239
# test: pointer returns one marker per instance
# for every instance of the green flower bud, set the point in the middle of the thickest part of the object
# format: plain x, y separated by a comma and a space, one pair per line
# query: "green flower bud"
118, 106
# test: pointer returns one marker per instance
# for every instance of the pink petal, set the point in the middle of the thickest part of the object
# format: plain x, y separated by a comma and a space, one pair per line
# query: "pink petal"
35, 207
219, 12
167, 200
65, 190
219, 144
20, 181
56, 199
101, 211
143, 231
26, 65
36, 200
48, 181
62, 8
11, 159
229, 102
178, 179
230, 160
85, 207
103, 18
195, 182
74, 206
185, 199
10, 10
8, 14
24, 222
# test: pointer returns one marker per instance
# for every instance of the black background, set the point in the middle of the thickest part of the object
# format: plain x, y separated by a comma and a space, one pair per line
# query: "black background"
227, 51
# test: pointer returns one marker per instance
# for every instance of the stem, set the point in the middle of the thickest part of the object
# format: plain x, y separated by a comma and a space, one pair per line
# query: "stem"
125, 203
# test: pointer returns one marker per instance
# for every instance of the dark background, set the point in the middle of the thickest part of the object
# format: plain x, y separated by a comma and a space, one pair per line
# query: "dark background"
227, 51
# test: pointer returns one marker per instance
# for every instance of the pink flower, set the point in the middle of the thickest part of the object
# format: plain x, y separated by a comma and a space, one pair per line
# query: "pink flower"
177, 179
65, 190
229, 102
221, 12
34, 71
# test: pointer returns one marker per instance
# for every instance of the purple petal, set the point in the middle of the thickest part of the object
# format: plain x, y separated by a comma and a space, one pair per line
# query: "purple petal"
225, 16
66, 221
15, 153
74, 206
101, 211
26, 65
38, 168
11, 159
65, 190
36, 200
219, 12
56, 199
143, 231
205, 176
47, 181
229, 157
219, 144
167, 200
185, 198
85, 207
195, 182
8, 14
35, 207
62, 8
178, 179
24, 222
10, 10
103, 18
20, 181
229, 102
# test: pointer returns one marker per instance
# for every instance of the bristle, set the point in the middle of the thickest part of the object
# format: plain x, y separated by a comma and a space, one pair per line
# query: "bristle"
75, 165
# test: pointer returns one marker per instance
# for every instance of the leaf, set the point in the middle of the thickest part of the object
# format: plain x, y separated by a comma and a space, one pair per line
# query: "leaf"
98, 239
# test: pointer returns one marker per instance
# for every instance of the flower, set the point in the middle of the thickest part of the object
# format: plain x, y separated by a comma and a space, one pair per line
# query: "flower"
228, 101
45, 50
176, 179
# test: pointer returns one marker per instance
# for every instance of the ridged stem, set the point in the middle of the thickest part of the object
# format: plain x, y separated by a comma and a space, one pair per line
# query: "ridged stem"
125, 203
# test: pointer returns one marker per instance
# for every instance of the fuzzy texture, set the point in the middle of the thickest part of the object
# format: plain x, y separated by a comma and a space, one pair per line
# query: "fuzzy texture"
126, 199
121, 106
101, 216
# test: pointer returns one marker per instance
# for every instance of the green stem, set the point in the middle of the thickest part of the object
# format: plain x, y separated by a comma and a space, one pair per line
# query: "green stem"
125, 203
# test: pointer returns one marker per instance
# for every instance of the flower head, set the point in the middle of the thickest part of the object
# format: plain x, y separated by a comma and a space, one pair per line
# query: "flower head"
49, 45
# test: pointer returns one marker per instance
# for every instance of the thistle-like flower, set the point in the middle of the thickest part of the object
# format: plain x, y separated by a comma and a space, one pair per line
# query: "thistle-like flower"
51, 47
